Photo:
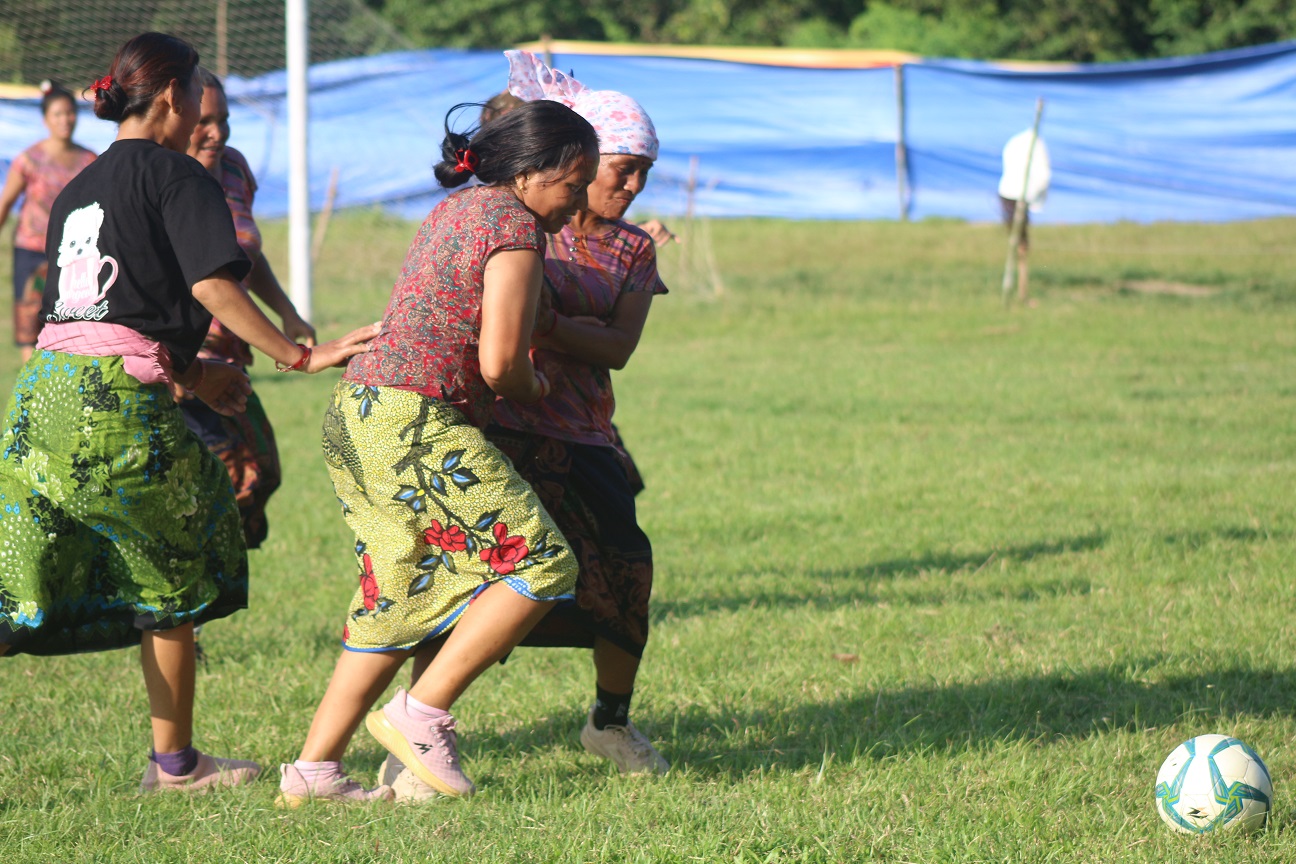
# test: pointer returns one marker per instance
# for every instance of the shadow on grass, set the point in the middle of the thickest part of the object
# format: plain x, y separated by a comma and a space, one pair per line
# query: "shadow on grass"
733, 740
1231, 534
1041, 709
844, 586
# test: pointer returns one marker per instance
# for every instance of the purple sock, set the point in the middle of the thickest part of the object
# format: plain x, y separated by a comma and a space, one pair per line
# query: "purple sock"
179, 763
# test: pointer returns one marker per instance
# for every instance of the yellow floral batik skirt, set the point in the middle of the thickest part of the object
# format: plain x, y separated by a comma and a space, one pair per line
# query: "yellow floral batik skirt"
438, 513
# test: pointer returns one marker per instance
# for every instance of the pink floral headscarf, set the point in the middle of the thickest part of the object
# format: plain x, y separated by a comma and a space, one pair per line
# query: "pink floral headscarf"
623, 126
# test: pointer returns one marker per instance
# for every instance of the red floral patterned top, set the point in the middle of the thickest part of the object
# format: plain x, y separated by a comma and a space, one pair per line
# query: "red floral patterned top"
240, 188
432, 325
584, 275
43, 179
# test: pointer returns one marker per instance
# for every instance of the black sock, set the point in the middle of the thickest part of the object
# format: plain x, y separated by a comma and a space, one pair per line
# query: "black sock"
610, 709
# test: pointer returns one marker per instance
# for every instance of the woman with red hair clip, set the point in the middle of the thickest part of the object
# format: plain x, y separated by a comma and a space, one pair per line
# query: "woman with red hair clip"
120, 526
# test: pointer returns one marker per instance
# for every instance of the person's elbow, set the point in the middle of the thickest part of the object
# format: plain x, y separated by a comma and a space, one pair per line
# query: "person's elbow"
619, 351
507, 377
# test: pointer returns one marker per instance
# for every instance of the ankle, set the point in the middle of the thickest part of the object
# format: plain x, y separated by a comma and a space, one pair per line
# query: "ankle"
610, 709
314, 772
422, 710
179, 763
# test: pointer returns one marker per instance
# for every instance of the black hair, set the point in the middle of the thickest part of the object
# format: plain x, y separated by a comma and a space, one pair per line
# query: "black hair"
51, 92
143, 68
209, 80
535, 136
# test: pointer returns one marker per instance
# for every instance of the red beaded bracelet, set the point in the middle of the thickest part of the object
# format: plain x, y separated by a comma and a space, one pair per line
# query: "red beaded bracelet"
301, 361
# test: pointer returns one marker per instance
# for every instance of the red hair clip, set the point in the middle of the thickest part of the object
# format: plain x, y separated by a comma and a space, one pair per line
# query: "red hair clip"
102, 84
468, 161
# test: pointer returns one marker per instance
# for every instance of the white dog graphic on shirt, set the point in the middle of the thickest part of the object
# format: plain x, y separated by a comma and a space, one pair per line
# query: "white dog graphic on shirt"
80, 265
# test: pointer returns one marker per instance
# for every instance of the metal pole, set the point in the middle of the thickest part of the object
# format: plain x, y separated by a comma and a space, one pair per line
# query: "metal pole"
299, 246
902, 148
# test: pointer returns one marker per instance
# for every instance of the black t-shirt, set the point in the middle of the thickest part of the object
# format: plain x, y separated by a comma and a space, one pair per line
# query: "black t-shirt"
130, 236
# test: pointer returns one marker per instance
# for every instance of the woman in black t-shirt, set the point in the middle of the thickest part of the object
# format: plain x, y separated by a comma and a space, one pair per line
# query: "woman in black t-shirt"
121, 528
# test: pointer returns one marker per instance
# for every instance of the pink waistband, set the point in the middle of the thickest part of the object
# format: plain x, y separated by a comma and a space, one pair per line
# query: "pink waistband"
144, 359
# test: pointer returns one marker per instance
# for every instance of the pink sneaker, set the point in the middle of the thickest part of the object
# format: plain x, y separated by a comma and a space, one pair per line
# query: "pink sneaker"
430, 748
210, 771
295, 790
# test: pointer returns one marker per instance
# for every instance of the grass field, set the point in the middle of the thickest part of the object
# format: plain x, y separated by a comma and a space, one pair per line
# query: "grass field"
936, 581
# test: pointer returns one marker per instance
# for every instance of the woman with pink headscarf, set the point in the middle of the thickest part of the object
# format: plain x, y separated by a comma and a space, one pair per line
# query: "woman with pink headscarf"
600, 276
600, 280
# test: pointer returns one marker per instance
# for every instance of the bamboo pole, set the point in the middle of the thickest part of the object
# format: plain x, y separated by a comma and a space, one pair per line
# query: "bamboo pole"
689, 255
1019, 212
322, 221
222, 39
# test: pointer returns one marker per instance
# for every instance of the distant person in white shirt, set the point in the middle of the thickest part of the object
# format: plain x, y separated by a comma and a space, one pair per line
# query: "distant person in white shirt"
1014, 186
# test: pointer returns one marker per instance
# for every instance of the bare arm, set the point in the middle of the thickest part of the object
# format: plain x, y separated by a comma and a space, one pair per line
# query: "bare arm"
510, 292
607, 345
13, 187
223, 297
262, 282
660, 234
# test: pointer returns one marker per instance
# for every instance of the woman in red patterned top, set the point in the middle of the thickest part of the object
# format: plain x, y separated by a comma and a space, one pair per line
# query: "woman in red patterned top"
441, 518
244, 441
39, 174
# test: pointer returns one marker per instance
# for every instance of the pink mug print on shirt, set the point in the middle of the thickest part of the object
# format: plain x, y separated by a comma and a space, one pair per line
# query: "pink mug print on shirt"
81, 266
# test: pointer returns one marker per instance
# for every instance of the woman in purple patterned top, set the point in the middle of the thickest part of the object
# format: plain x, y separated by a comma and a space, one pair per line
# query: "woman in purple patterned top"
244, 441
600, 280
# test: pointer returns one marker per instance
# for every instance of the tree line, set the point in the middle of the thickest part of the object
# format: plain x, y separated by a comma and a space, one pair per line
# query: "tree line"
1057, 30
73, 40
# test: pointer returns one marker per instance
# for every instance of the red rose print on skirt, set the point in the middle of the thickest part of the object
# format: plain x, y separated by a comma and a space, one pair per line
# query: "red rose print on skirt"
369, 584
503, 558
451, 539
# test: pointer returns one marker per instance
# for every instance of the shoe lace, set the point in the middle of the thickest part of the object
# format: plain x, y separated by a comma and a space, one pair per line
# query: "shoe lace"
443, 729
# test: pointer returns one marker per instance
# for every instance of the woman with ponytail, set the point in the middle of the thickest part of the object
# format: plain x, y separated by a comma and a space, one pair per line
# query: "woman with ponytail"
120, 526
441, 519
600, 278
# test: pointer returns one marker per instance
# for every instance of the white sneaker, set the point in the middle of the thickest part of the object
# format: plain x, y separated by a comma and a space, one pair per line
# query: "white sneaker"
627, 747
407, 787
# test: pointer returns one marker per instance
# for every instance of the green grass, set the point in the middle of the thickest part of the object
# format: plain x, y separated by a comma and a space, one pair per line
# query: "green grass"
1057, 540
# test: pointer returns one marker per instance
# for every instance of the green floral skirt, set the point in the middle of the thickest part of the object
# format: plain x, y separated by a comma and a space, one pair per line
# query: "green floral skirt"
114, 516
438, 513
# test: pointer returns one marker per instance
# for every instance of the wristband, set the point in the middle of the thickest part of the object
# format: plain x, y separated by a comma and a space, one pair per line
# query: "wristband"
301, 361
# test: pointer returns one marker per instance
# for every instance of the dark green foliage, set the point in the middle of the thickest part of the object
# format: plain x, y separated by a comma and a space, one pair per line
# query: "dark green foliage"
1099, 30
75, 42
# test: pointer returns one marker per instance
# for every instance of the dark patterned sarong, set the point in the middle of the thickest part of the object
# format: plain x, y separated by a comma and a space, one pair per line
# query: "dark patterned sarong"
590, 491
245, 442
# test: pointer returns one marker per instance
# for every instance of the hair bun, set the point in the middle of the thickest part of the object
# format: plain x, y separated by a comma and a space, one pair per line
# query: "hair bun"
46, 86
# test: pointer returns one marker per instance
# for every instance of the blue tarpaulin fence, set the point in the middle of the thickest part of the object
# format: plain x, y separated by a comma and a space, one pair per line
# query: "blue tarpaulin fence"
1208, 138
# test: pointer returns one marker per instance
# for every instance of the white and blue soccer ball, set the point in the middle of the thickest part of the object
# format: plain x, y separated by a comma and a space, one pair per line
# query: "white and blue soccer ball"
1214, 783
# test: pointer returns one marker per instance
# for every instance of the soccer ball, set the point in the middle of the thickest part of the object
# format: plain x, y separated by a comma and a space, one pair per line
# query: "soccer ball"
1213, 783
